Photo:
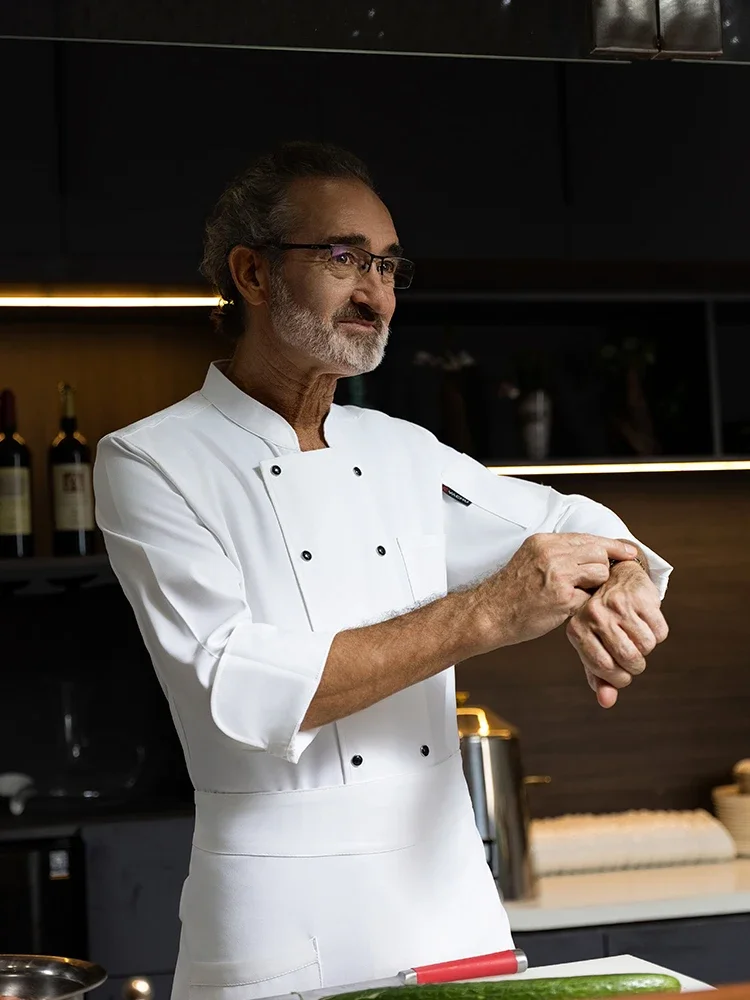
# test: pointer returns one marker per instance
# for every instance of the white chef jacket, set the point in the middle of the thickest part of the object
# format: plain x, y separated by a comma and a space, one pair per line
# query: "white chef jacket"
348, 852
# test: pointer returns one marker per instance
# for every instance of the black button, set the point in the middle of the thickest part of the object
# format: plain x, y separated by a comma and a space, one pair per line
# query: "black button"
425, 751
307, 556
380, 550
356, 760
276, 470
357, 471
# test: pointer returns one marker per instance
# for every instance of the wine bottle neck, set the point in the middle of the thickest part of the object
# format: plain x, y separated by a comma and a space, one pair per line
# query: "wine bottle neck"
7, 412
68, 422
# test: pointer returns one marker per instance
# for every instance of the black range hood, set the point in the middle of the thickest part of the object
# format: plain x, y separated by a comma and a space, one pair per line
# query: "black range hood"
522, 29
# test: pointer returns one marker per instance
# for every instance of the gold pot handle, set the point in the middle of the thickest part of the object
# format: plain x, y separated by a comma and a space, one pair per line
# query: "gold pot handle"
137, 988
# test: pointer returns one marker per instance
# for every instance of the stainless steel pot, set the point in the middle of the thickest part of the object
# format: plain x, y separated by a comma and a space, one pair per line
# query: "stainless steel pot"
491, 755
46, 977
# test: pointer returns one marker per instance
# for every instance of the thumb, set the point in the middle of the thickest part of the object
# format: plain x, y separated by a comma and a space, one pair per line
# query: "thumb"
606, 695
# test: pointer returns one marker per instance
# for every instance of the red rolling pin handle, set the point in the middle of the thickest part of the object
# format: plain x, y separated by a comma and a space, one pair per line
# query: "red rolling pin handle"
500, 963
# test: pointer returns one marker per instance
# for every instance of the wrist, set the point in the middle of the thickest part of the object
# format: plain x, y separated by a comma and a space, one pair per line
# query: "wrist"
480, 614
640, 559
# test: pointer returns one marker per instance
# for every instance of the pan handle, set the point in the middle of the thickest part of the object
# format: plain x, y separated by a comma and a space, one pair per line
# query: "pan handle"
499, 963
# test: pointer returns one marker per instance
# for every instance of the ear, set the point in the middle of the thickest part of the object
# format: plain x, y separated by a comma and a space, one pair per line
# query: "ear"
250, 274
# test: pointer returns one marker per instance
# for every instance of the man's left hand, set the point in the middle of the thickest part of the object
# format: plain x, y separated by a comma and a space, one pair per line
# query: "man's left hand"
616, 630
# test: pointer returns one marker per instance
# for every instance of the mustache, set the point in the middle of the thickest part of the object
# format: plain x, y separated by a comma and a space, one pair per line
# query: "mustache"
362, 312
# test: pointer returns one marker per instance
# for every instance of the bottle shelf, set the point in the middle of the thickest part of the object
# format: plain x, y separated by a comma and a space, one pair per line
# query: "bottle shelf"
41, 575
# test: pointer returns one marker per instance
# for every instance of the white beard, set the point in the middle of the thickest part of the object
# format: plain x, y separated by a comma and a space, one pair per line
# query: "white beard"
354, 351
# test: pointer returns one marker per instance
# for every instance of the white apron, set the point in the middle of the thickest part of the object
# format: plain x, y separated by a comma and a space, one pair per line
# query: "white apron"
297, 889
350, 852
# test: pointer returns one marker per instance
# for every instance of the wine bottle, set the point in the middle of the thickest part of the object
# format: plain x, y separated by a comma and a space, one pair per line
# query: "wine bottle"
72, 492
16, 539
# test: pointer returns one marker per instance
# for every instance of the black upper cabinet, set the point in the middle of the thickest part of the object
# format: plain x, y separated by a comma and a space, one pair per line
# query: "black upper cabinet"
658, 158
29, 202
465, 152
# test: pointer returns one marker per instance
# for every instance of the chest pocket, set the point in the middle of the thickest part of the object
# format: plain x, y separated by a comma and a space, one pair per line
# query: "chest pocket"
424, 561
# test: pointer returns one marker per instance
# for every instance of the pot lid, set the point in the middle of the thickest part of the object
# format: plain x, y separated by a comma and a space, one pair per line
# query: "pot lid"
477, 720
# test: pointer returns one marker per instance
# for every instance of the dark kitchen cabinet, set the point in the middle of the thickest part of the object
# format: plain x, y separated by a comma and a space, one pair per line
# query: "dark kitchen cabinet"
469, 170
134, 876
657, 159
556, 947
713, 950
115, 987
617, 382
29, 181
732, 333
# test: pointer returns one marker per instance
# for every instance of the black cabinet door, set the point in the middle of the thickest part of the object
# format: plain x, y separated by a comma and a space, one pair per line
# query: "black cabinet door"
657, 158
29, 205
134, 876
713, 949
465, 152
556, 947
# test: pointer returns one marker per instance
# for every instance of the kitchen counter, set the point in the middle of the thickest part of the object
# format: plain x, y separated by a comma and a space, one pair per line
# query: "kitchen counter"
599, 898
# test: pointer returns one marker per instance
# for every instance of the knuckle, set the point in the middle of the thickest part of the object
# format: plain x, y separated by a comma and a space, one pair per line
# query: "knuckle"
621, 679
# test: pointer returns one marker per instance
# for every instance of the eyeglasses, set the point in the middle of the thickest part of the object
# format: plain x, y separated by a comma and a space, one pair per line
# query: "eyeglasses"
348, 260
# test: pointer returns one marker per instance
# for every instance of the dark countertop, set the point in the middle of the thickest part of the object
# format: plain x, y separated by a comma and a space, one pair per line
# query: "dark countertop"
66, 820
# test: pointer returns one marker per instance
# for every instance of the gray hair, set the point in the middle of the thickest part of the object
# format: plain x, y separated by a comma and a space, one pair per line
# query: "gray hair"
254, 210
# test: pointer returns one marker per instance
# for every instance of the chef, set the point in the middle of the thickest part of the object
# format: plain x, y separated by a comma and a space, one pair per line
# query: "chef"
305, 575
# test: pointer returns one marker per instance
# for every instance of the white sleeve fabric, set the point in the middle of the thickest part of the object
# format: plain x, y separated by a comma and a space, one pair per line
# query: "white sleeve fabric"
188, 598
488, 517
578, 513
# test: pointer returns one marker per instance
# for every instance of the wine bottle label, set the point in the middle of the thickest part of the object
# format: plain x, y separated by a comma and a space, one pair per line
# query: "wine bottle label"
15, 501
73, 497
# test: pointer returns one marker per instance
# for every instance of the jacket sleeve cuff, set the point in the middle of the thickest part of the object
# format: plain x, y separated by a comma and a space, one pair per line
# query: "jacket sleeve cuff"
582, 514
264, 683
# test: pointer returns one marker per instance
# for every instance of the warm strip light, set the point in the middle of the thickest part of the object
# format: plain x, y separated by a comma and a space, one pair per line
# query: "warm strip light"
730, 465
107, 301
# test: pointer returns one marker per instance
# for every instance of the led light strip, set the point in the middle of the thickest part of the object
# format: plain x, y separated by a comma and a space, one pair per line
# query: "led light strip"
730, 465
107, 301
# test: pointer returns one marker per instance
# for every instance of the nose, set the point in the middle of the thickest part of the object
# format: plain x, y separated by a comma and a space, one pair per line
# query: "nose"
372, 291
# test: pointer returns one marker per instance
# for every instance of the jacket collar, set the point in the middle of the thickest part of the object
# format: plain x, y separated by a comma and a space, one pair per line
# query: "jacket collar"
257, 418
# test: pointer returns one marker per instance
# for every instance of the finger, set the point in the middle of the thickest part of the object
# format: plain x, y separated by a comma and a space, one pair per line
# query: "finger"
606, 695
623, 651
596, 659
656, 622
611, 548
639, 633
591, 574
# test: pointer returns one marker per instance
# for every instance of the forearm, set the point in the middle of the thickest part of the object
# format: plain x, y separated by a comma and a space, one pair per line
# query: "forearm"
366, 665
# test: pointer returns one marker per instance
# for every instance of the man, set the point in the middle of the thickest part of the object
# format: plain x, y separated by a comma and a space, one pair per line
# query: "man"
305, 575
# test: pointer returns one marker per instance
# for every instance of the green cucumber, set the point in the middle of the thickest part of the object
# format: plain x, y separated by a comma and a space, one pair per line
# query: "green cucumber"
568, 988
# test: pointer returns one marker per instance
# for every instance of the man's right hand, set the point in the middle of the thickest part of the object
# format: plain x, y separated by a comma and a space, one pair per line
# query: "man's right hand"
546, 582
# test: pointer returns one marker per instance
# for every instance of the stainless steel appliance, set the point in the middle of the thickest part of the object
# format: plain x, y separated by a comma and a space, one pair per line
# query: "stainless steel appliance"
491, 755
46, 977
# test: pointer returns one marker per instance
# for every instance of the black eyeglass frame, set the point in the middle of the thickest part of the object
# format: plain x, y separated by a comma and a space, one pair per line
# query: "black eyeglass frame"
408, 271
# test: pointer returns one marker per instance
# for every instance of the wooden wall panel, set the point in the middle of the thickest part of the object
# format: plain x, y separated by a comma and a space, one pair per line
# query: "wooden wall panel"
122, 371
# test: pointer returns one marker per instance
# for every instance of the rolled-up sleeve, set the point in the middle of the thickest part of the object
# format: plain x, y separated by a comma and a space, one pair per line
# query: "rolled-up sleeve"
488, 517
257, 680
578, 513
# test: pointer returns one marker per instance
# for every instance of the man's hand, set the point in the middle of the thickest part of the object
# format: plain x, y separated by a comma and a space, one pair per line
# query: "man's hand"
548, 580
616, 629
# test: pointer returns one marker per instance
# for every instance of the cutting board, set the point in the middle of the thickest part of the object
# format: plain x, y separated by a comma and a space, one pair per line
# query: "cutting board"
606, 966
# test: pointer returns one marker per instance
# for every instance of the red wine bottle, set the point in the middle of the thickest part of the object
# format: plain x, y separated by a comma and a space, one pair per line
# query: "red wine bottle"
16, 539
70, 475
